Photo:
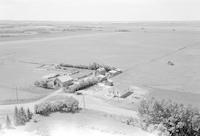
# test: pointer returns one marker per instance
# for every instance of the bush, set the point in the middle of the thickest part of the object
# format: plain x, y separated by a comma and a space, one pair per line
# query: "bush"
95, 66
176, 119
85, 83
67, 105
41, 83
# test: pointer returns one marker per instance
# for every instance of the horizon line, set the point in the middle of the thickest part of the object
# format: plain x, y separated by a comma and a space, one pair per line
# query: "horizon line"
96, 21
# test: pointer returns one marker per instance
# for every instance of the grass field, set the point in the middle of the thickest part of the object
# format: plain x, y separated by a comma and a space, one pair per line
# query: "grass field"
85, 123
142, 52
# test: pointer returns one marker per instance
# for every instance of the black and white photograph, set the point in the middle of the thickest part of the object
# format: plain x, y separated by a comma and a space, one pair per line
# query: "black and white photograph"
99, 67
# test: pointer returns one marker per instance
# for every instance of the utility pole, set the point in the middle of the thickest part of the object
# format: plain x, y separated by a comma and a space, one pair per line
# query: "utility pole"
84, 104
16, 90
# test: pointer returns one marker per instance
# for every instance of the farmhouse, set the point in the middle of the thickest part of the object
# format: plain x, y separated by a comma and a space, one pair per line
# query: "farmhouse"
101, 71
63, 81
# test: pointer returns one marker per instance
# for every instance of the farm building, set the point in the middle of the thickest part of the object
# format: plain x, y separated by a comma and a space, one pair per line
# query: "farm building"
118, 70
113, 93
115, 72
101, 77
63, 81
126, 94
49, 76
112, 73
109, 82
100, 71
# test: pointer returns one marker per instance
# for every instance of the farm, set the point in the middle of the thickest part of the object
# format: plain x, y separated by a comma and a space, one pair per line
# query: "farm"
157, 59
76, 77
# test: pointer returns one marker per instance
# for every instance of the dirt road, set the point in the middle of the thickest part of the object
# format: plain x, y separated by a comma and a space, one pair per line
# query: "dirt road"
85, 102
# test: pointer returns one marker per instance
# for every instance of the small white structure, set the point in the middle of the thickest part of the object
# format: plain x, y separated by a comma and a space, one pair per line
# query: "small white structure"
109, 82
114, 72
113, 93
118, 70
101, 77
64, 81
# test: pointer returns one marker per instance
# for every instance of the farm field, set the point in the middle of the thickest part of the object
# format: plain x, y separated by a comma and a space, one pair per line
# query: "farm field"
141, 50
158, 59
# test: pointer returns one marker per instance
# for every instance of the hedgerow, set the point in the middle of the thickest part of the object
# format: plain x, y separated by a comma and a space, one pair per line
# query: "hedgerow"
67, 105
83, 84
93, 66
170, 118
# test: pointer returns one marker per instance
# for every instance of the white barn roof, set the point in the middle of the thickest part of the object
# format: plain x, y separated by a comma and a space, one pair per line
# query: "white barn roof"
65, 78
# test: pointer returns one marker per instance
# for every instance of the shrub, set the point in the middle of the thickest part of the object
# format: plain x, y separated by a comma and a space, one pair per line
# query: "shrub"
176, 119
67, 105
85, 83
95, 66
41, 83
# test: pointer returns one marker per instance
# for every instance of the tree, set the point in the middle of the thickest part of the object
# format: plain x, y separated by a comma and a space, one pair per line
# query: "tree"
176, 119
29, 114
8, 122
23, 113
16, 116
22, 116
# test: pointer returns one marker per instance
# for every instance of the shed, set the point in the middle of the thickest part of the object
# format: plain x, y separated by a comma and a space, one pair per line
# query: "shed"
112, 73
125, 95
64, 81
109, 82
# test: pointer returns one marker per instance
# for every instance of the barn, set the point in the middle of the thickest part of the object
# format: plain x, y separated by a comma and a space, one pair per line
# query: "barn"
63, 81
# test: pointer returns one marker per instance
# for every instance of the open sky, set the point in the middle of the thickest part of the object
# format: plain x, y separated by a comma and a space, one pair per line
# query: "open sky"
100, 10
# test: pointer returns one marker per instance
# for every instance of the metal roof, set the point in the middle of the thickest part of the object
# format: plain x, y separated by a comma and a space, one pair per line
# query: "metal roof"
64, 78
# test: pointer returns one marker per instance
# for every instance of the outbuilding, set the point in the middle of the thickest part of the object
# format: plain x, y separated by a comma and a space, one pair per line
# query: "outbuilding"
101, 78
51, 75
63, 81
101, 71
112, 73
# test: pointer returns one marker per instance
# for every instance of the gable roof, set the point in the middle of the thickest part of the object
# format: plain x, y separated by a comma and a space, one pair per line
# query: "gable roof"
64, 78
